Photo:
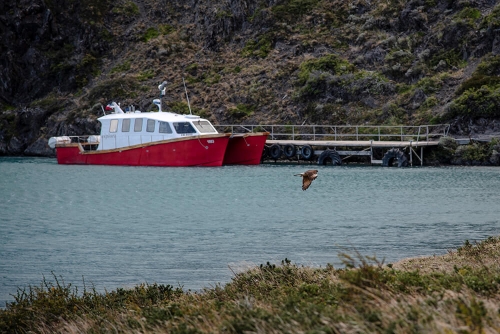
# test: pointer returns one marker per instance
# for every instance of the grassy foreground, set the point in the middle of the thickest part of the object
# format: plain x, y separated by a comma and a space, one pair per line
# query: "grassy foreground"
454, 293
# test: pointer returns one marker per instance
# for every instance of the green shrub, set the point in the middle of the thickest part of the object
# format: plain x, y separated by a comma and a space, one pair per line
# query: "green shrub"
50, 103
430, 85
86, 69
242, 110
452, 57
473, 153
259, 47
486, 74
120, 88
181, 107
291, 10
143, 76
211, 78
52, 302
490, 65
448, 143
471, 314
477, 81
481, 102
166, 29
429, 102
150, 34
129, 9
469, 15
492, 20
444, 152
330, 64
123, 67
192, 68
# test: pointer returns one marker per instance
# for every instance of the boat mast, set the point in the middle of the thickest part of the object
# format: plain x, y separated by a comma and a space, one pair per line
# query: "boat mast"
187, 97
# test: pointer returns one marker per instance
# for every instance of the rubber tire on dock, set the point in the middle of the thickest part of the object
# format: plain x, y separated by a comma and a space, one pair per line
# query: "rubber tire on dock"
395, 154
275, 151
265, 152
330, 155
290, 151
306, 152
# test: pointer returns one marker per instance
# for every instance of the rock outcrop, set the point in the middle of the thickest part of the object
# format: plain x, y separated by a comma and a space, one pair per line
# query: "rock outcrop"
248, 61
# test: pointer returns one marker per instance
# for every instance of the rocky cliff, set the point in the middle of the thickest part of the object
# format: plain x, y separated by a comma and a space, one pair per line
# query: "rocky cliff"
248, 61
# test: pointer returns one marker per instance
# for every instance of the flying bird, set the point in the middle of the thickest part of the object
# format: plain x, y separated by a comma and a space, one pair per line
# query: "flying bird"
307, 177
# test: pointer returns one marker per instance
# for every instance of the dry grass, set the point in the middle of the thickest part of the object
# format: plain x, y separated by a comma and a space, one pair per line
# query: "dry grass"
454, 293
475, 256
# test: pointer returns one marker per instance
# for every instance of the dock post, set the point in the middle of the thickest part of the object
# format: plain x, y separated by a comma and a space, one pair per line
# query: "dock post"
411, 154
371, 152
421, 155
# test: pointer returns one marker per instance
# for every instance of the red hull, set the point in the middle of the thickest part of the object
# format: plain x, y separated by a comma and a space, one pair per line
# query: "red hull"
203, 151
245, 149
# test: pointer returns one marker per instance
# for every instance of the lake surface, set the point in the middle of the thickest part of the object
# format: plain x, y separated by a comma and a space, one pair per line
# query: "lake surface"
121, 226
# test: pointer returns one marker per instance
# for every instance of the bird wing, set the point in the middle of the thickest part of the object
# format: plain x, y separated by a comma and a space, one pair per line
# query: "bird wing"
306, 182
308, 177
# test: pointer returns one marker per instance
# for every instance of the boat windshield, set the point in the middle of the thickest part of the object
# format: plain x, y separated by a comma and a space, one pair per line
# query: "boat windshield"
184, 127
204, 127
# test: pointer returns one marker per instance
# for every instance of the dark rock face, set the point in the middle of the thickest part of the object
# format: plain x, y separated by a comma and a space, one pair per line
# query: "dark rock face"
40, 148
44, 47
20, 60
59, 58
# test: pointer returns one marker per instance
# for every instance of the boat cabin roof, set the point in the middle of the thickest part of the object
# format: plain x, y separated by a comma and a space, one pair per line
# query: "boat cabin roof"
159, 116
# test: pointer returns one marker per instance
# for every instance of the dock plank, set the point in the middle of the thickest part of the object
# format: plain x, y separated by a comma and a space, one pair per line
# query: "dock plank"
354, 143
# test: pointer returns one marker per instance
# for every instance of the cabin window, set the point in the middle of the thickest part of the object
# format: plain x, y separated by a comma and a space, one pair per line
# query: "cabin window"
150, 127
113, 126
138, 125
126, 125
183, 127
204, 126
165, 127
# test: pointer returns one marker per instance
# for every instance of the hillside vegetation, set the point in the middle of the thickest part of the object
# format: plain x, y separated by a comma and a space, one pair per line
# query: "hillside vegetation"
454, 293
248, 61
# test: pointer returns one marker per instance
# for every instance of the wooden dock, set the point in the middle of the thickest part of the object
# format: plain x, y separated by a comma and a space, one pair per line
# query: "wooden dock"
366, 147
332, 144
354, 143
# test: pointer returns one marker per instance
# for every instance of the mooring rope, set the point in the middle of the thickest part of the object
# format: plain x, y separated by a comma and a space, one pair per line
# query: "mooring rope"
245, 140
206, 147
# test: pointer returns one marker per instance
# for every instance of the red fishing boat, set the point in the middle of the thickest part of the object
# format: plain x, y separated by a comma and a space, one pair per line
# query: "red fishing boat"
134, 138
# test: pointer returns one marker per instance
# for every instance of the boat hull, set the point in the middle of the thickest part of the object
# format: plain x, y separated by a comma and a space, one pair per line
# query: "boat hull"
205, 151
245, 149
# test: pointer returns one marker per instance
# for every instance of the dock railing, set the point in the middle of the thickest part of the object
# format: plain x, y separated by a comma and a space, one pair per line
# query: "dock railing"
344, 132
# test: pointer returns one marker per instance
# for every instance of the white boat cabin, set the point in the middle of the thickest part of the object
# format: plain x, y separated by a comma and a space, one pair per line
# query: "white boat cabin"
132, 127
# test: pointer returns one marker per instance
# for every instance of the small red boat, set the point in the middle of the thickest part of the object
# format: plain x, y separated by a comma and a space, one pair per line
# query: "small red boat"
245, 149
134, 138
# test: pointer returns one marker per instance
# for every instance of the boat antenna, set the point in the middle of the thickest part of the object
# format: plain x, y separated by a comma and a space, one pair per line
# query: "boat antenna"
187, 97
162, 88
102, 109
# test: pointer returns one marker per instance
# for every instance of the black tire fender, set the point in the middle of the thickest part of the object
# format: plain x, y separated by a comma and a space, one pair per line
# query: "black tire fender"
392, 155
330, 155
265, 152
275, 151
290, 150
306, 152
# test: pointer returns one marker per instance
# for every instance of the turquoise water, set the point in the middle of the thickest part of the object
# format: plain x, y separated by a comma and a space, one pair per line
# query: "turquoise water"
192, 227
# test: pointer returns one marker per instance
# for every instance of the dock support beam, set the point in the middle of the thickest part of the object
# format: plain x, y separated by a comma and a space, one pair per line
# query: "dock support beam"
411, 155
